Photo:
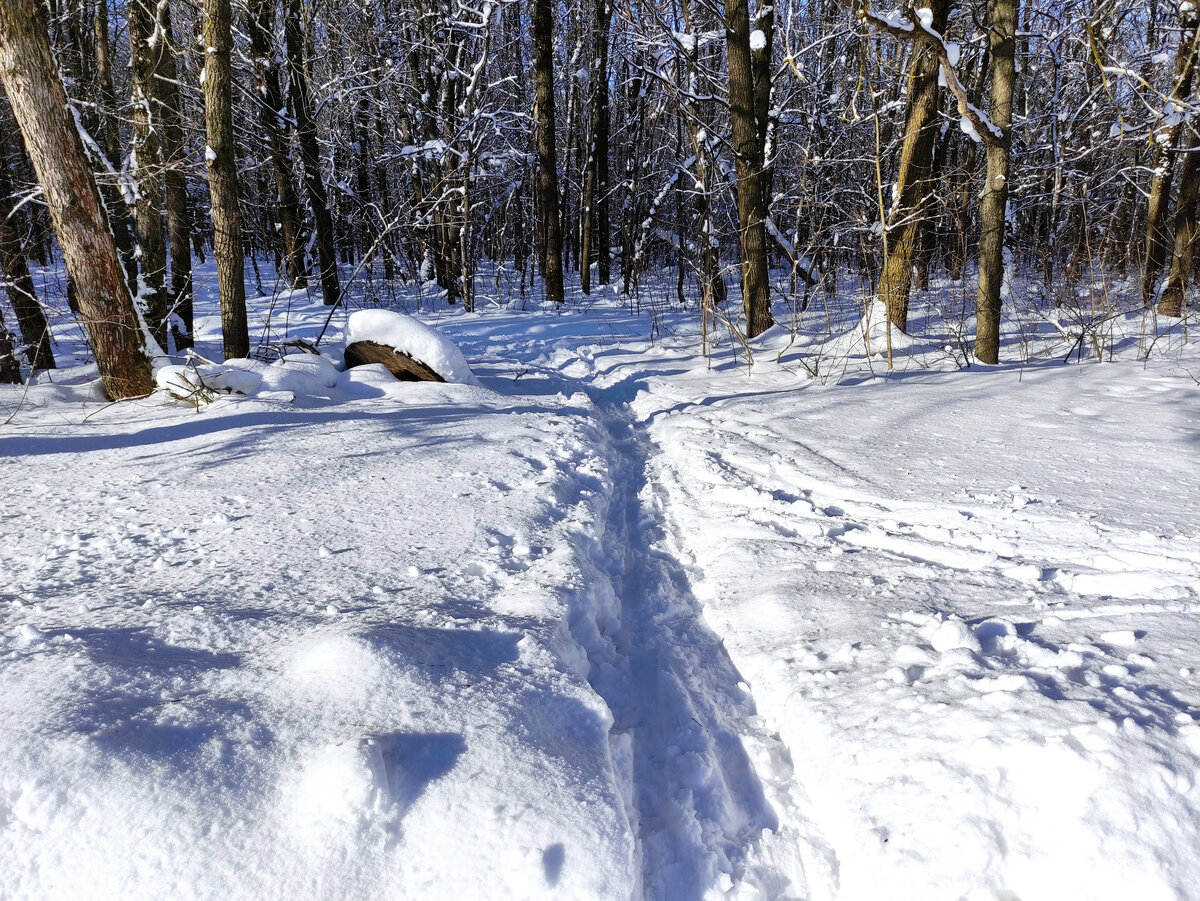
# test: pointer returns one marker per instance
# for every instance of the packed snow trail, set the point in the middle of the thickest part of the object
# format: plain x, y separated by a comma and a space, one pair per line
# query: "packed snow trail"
676, 695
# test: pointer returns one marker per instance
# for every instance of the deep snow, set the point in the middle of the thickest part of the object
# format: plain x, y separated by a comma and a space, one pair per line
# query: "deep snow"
615, 622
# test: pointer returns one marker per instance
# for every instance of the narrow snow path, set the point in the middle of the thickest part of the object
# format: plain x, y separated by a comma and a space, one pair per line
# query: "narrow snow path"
678, 697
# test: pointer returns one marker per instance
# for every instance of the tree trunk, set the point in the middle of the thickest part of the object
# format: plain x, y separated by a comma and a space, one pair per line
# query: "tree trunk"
543, 40
1171, 303
385, 196
912, 188
993, 205
35, 334
262, 27
222, 178
179, 218
760, 55
603, 233
713, 292
114, 198
39, 103
146, 48
1164, 137
631, 204
310, 154
748, 145
593, 213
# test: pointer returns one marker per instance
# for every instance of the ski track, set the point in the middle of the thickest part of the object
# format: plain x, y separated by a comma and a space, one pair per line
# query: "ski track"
678, 696
683, 718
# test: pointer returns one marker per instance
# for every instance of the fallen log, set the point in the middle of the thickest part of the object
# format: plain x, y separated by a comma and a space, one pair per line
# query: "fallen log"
398, 363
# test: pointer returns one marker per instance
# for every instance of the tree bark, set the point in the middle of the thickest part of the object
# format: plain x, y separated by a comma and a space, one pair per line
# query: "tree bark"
913, 182
748, 146
146, 46
403, 366
39, 103
310, 154
262, 28
35, 333
222, 177
1171, 303
713, 292
114, 197
548, 198
1164, 136
179, 218
993, 206
594, 225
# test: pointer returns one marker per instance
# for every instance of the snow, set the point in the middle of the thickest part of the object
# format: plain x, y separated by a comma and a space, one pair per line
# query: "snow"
601, 618
894, 18
968, 128
758, 40
410, 336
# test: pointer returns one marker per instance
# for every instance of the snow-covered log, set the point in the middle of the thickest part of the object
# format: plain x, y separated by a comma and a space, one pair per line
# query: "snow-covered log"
411, 350
398, 363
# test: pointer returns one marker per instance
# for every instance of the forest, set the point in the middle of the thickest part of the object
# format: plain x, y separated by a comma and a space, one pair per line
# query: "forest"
664, 450
394, 143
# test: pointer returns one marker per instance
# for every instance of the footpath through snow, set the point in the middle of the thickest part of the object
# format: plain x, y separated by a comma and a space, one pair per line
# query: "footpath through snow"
609, 624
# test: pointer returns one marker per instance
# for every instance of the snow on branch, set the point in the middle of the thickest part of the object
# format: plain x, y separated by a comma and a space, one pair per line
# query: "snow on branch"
973, 121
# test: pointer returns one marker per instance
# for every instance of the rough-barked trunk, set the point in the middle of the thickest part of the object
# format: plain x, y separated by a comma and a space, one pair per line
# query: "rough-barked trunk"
179, 218
543, 39
1171, 303
222, 178
35, 334
262, 29
748, 146
993, 205
114, 198
1165, 135
39, 103
913, 177
146, 48
300, 95
594, 224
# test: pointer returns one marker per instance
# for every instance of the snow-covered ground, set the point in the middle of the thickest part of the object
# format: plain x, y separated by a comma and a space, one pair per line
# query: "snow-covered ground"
616, 622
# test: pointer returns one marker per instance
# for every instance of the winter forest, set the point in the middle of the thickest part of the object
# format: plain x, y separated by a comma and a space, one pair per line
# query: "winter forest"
650, 449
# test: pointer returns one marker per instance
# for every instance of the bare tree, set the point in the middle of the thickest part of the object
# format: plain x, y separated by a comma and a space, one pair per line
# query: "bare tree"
1171, 303
274, 125
118, 209
993, 206
1165, 135
179, 216
548, 199
222, 177
300, 94
35, 334
39, 103
748, 145
147, 46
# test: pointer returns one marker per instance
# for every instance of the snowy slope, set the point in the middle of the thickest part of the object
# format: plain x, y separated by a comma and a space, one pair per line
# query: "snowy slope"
610, 624
976, 640
964, 605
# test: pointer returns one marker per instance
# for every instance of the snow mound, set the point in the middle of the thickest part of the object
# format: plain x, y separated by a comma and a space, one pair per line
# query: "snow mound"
407, 335
300, 374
